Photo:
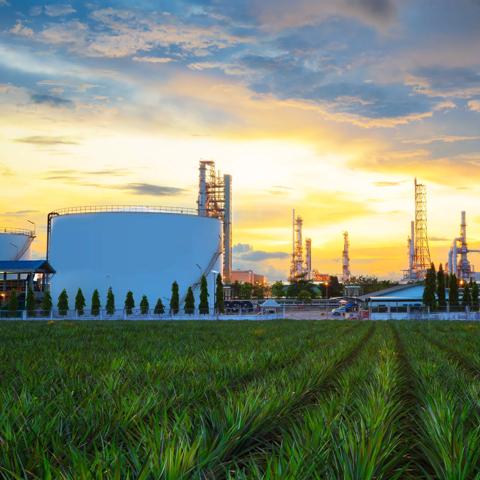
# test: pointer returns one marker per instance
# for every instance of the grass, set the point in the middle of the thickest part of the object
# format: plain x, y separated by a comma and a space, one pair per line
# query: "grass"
239, 400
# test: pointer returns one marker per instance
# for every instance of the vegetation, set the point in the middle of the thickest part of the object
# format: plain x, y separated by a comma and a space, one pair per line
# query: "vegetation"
175, 299
305, 296
442, 302
13, 305
31, 303
110, 306
475, 293
240, 400
80, 302
429, 292
95, 308
189, 302
278, 289
47, 303
62, 303
159, 308
203, 305
129, 303
219, 301
144, 305
371, 284
453, 290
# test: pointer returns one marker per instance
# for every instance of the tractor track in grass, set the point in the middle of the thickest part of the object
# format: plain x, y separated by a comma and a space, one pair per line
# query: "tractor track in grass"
264, 441
415, 467
466, 365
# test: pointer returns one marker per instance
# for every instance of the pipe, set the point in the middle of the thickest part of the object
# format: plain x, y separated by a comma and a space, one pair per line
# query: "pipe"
227, 229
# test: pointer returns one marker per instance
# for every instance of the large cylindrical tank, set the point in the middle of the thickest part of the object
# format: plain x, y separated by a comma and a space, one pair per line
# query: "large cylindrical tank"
15, 244
141, 250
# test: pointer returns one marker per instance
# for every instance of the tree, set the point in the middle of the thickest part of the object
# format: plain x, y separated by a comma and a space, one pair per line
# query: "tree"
441, 287
371, 284
219, 295
429, 298
175, 299
80, 302
47, 303
129, 303
259, 291
277, 289
467, 297
475, 302
159, 308
13, 306
203, 306
246, 290
334, 287
31, 304
453, 291
305, 296
189, 302
110, 306
62, 303
144, 305
95, 309
236, 289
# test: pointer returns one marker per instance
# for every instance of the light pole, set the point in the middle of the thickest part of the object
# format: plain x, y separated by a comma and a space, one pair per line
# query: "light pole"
214, 275
326, 290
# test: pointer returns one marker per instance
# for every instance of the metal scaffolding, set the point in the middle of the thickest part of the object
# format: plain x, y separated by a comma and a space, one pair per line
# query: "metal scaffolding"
345, 259
422, 259
296, 267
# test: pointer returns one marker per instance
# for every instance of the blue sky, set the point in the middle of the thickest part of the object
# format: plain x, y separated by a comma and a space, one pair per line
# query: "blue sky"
364, 93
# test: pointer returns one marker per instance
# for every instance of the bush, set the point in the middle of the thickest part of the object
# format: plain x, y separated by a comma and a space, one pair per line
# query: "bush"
95, 310
13, 304
30, 303
80, 302
47, 303
159, 308
62, 304
189, 302
110, 307
203, 306
129, 303
175, 299
144, 306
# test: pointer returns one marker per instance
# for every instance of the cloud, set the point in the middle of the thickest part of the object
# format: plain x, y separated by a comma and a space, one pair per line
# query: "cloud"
441, 81
4, 3
474, 105
57, 10
245, 252
153, 59
19, 213
47, 140
438, 239
20, 29
151, 189
51, 100
387, 184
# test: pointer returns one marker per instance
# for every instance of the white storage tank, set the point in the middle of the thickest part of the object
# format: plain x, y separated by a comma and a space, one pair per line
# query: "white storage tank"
15, 244
142, 249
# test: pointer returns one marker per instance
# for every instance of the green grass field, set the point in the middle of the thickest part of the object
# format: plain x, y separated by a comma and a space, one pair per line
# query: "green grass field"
239, 400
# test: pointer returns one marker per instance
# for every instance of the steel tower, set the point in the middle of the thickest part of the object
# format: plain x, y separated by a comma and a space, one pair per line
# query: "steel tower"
422, 259
345, 259
296, 266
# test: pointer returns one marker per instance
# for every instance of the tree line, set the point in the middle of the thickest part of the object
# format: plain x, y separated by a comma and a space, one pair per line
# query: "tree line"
13, 305
436, 285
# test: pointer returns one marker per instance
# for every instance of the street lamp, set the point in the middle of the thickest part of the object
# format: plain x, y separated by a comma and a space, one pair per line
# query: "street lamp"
326, 290
214, 274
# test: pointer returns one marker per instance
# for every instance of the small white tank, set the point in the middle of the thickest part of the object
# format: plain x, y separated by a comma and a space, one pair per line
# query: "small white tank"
15, 244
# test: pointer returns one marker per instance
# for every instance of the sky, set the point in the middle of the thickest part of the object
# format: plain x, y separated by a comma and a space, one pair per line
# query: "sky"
332, 108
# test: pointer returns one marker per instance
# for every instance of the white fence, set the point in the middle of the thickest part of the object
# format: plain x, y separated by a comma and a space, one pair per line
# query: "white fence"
136, 315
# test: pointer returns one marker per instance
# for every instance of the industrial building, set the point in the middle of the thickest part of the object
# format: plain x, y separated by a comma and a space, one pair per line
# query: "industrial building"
143, 248
247, 276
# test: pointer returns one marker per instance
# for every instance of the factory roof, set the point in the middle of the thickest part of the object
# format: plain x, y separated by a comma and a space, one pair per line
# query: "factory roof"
398, 291
25, 266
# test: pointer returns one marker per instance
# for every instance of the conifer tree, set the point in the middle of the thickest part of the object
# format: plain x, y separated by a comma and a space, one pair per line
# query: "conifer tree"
110, 306
47, 303
441, 287
467, 297
62, 303
175, 299
159, 308
203, 306
474, 291
453, 291
95, 309
13, 304
31, 303
129, 303
189, 302
429, 298
144, 305
219, 300
80, 302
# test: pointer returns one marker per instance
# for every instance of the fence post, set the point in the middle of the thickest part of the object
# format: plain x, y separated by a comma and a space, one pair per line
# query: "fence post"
24, 314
